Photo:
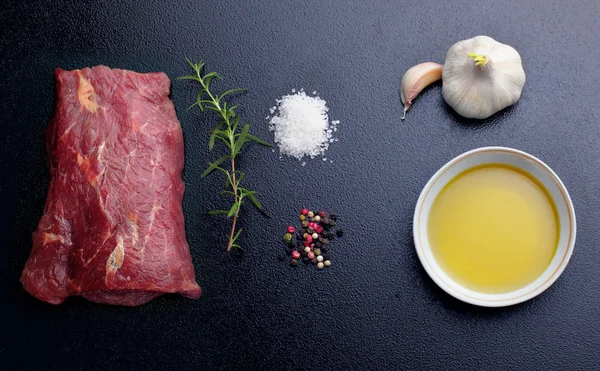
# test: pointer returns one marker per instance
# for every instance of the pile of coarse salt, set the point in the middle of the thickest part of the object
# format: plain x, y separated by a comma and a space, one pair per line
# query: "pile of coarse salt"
301, 125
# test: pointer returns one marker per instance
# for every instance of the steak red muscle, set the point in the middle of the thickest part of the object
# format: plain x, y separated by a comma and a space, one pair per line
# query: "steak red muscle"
112, 229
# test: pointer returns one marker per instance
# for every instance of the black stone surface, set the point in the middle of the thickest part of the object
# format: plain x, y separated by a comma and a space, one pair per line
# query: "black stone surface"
375, 308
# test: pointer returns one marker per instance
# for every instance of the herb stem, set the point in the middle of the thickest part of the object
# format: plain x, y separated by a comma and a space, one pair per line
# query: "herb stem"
227, 132
236, 197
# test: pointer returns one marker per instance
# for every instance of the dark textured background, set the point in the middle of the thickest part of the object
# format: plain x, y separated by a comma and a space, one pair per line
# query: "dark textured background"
375, 308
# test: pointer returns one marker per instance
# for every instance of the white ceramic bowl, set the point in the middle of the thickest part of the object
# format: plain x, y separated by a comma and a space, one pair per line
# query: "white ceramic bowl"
533, 166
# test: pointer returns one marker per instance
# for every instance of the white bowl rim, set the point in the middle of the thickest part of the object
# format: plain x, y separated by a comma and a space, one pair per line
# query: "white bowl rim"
475, 299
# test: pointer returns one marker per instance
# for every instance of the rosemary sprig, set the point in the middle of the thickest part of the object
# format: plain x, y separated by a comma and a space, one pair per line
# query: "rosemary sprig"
228, 132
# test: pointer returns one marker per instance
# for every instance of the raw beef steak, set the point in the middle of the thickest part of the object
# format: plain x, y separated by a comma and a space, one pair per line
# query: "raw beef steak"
112, 229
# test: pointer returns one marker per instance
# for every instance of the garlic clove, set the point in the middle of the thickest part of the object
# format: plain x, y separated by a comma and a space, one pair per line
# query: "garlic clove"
481, 77
416, 79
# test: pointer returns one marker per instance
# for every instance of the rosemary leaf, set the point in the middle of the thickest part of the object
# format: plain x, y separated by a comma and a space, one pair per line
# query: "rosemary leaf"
258, 140
213, 166
237, 235
231, 91
233, 209
255, 201
240, 140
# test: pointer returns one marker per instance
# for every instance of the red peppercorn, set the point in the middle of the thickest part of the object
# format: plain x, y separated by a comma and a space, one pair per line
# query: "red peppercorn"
306, 243
311, 255
322, 214
304, 211
291, 229
295, 254
309, 238
319, 229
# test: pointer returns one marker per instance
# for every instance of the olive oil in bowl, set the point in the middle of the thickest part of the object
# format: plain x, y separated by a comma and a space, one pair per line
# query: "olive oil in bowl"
493, 228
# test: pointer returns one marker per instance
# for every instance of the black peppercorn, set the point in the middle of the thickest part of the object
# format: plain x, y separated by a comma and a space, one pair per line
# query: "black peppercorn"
294, 262
339, 233
333, 216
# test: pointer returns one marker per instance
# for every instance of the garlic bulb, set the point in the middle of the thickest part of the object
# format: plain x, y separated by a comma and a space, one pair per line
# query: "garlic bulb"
481, 77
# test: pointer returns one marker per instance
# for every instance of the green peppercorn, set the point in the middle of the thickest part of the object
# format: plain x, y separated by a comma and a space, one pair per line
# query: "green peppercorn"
302, 218
317, 251
287, 237
305, 224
